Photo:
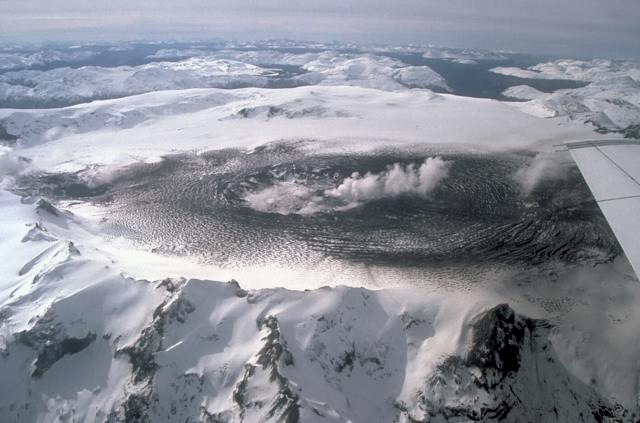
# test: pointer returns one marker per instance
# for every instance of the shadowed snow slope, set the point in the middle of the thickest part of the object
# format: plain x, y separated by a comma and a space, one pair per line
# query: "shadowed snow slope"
80, 341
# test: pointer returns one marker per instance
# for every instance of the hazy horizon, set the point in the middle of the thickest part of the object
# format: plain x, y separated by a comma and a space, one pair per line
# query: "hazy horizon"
585, 28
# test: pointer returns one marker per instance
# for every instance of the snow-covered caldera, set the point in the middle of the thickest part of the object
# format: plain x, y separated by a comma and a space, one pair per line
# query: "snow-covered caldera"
610, 100
80, 340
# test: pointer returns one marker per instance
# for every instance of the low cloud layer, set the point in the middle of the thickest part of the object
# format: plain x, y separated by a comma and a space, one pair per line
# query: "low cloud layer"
295, 198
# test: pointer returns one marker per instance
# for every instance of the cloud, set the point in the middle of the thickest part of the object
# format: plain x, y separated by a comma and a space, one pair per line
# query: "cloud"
543, 167
95, 176
294, 198
286, 198
11, 165
396, 180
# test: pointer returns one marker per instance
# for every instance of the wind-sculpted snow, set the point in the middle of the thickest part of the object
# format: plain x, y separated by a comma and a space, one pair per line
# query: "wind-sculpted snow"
80, 341
611, 100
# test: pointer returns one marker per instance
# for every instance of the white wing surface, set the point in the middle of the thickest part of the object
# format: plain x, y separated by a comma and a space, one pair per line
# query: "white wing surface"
611, 168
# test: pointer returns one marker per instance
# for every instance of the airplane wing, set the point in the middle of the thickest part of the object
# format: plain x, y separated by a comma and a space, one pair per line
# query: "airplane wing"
611, 168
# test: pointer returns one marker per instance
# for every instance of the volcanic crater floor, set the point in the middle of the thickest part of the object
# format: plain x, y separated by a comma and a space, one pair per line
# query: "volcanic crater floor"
476, 220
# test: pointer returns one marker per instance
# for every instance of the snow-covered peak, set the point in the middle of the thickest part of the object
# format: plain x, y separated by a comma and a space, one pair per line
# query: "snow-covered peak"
370, 71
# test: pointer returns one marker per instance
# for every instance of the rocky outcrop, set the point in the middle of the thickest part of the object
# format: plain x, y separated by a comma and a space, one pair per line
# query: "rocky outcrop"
510, 373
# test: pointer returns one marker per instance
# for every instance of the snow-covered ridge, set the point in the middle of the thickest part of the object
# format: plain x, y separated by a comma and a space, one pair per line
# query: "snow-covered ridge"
582, 70
370, 71
611, 100
160, 123
63, 86
80, 340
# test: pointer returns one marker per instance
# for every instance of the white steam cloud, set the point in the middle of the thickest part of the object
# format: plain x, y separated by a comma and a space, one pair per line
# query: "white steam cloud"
543, 167
95, 176
394, 181
286, 198
291, 197
11, 165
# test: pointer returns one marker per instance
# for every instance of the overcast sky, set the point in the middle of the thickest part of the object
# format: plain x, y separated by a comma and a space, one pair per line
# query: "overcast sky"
564, 27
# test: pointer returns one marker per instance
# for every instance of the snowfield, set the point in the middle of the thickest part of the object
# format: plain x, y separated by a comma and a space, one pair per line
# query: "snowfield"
343, 118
